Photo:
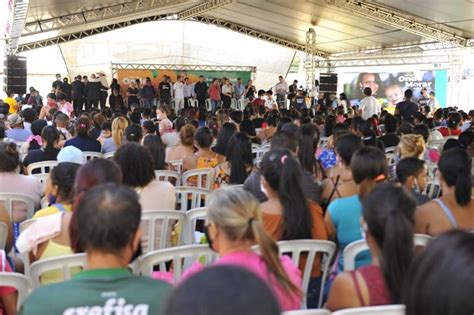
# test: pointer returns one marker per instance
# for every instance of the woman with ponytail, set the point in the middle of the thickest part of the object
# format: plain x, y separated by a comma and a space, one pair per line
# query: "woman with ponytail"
119, 125
369, 167
234, 225
455, 208
288, 215
49, 148
82, 141
388, 219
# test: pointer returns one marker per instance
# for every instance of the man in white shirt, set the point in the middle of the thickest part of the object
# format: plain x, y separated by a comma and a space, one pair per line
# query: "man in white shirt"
368, 105
188, 91
433, 102
281, 89
178, 89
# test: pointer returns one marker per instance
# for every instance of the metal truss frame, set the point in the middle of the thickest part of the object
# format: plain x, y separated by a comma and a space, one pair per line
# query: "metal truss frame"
384, 61
258, 34
310, 60
97, 15
203, 8
94, 31
139, 66
396, 19
20, 12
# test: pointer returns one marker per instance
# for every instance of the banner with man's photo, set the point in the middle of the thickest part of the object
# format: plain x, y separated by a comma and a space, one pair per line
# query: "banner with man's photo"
389, 88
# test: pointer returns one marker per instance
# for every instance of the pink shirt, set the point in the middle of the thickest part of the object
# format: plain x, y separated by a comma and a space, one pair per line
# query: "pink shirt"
4, 267
254, 263
66, 108
215, 92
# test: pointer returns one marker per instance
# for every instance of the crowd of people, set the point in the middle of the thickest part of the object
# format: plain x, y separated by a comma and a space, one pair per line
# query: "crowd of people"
331, 171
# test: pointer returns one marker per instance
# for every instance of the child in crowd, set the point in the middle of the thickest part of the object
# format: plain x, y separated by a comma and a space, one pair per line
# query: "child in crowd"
411, 172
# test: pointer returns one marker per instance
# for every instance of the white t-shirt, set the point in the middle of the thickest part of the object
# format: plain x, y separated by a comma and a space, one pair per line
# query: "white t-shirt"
270, 104
178, 89
369, 107
281, 88
226, 89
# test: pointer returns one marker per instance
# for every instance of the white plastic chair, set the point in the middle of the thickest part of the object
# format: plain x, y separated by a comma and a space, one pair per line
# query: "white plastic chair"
168, 176
208, 105
63, 263
204, 178
164, 221
44, 169
25, 256
355, 248
373, 310
390, 149
183, 257
3, 235
192, 216
191, 197
297, 248
10, 198
17, 281
88, 155
109, 155
308, 312
431, 170
259, 151
241, 104
177, 164
192, 102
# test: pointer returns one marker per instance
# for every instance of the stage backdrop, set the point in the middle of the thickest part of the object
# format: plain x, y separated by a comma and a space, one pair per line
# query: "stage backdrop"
124, 76
389, 88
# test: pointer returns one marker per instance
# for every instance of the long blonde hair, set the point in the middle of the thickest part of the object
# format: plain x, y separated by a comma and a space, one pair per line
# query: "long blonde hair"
411, 146
118, 129
237, 213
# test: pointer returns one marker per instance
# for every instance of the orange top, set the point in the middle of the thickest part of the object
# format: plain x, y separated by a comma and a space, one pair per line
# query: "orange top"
272, 224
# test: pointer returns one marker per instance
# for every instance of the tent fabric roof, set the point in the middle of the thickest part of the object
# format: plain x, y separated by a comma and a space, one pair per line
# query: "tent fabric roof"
337, 29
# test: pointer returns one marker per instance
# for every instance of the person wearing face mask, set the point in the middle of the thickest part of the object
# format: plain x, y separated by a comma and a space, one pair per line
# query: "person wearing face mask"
411, 172
234, 225
50, 103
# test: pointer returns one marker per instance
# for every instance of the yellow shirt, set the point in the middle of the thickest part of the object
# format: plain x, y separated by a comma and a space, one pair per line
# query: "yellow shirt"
13, 107
51, 210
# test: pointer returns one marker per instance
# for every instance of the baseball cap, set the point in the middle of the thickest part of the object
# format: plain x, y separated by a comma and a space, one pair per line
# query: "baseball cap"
70, 154
14, 119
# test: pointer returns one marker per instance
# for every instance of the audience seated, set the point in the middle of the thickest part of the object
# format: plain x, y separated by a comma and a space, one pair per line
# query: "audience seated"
220, 290
454, 209
238, 164
204, 156
134, 133
119, 125
440, 279
33, 141
388, 217
369, 168
185, 147
224, 135
8, 295
82, 141
17, 132
13, 182
411, 173
287, 214
411, 146
48, 151
157, 149
234, 224
108, 217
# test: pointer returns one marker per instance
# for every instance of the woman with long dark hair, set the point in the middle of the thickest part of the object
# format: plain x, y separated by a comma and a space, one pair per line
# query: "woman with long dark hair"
49, 148
307, 147
238, 164
157, 149
82, 141
223, 137
369, 168
455, 208
388, 227
288, 215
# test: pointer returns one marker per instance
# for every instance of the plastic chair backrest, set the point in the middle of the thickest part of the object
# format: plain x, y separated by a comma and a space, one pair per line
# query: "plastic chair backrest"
63, 263
182, 258
109, 155
177, 164
192, 216
320, 311
9, 198
355, 248
297, 248
432, 190
192, 102
168, 176
191, 197
323, 142
203, 178
208, 105
17, 281
3, 235
25, 257
373, 310
44, 167
89, 155
390, 149
259, 151
163, 220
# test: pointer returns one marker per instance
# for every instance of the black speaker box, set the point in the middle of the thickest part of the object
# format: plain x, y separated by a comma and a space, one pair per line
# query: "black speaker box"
14, 71
328, 83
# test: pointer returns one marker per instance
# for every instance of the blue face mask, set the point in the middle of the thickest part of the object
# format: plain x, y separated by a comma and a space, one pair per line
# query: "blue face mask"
51, 199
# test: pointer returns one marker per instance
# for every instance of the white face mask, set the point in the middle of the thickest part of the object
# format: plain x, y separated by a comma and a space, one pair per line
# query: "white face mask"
262, 189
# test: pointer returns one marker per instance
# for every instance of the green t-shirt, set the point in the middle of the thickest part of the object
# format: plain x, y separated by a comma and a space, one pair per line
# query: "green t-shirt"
99, 291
